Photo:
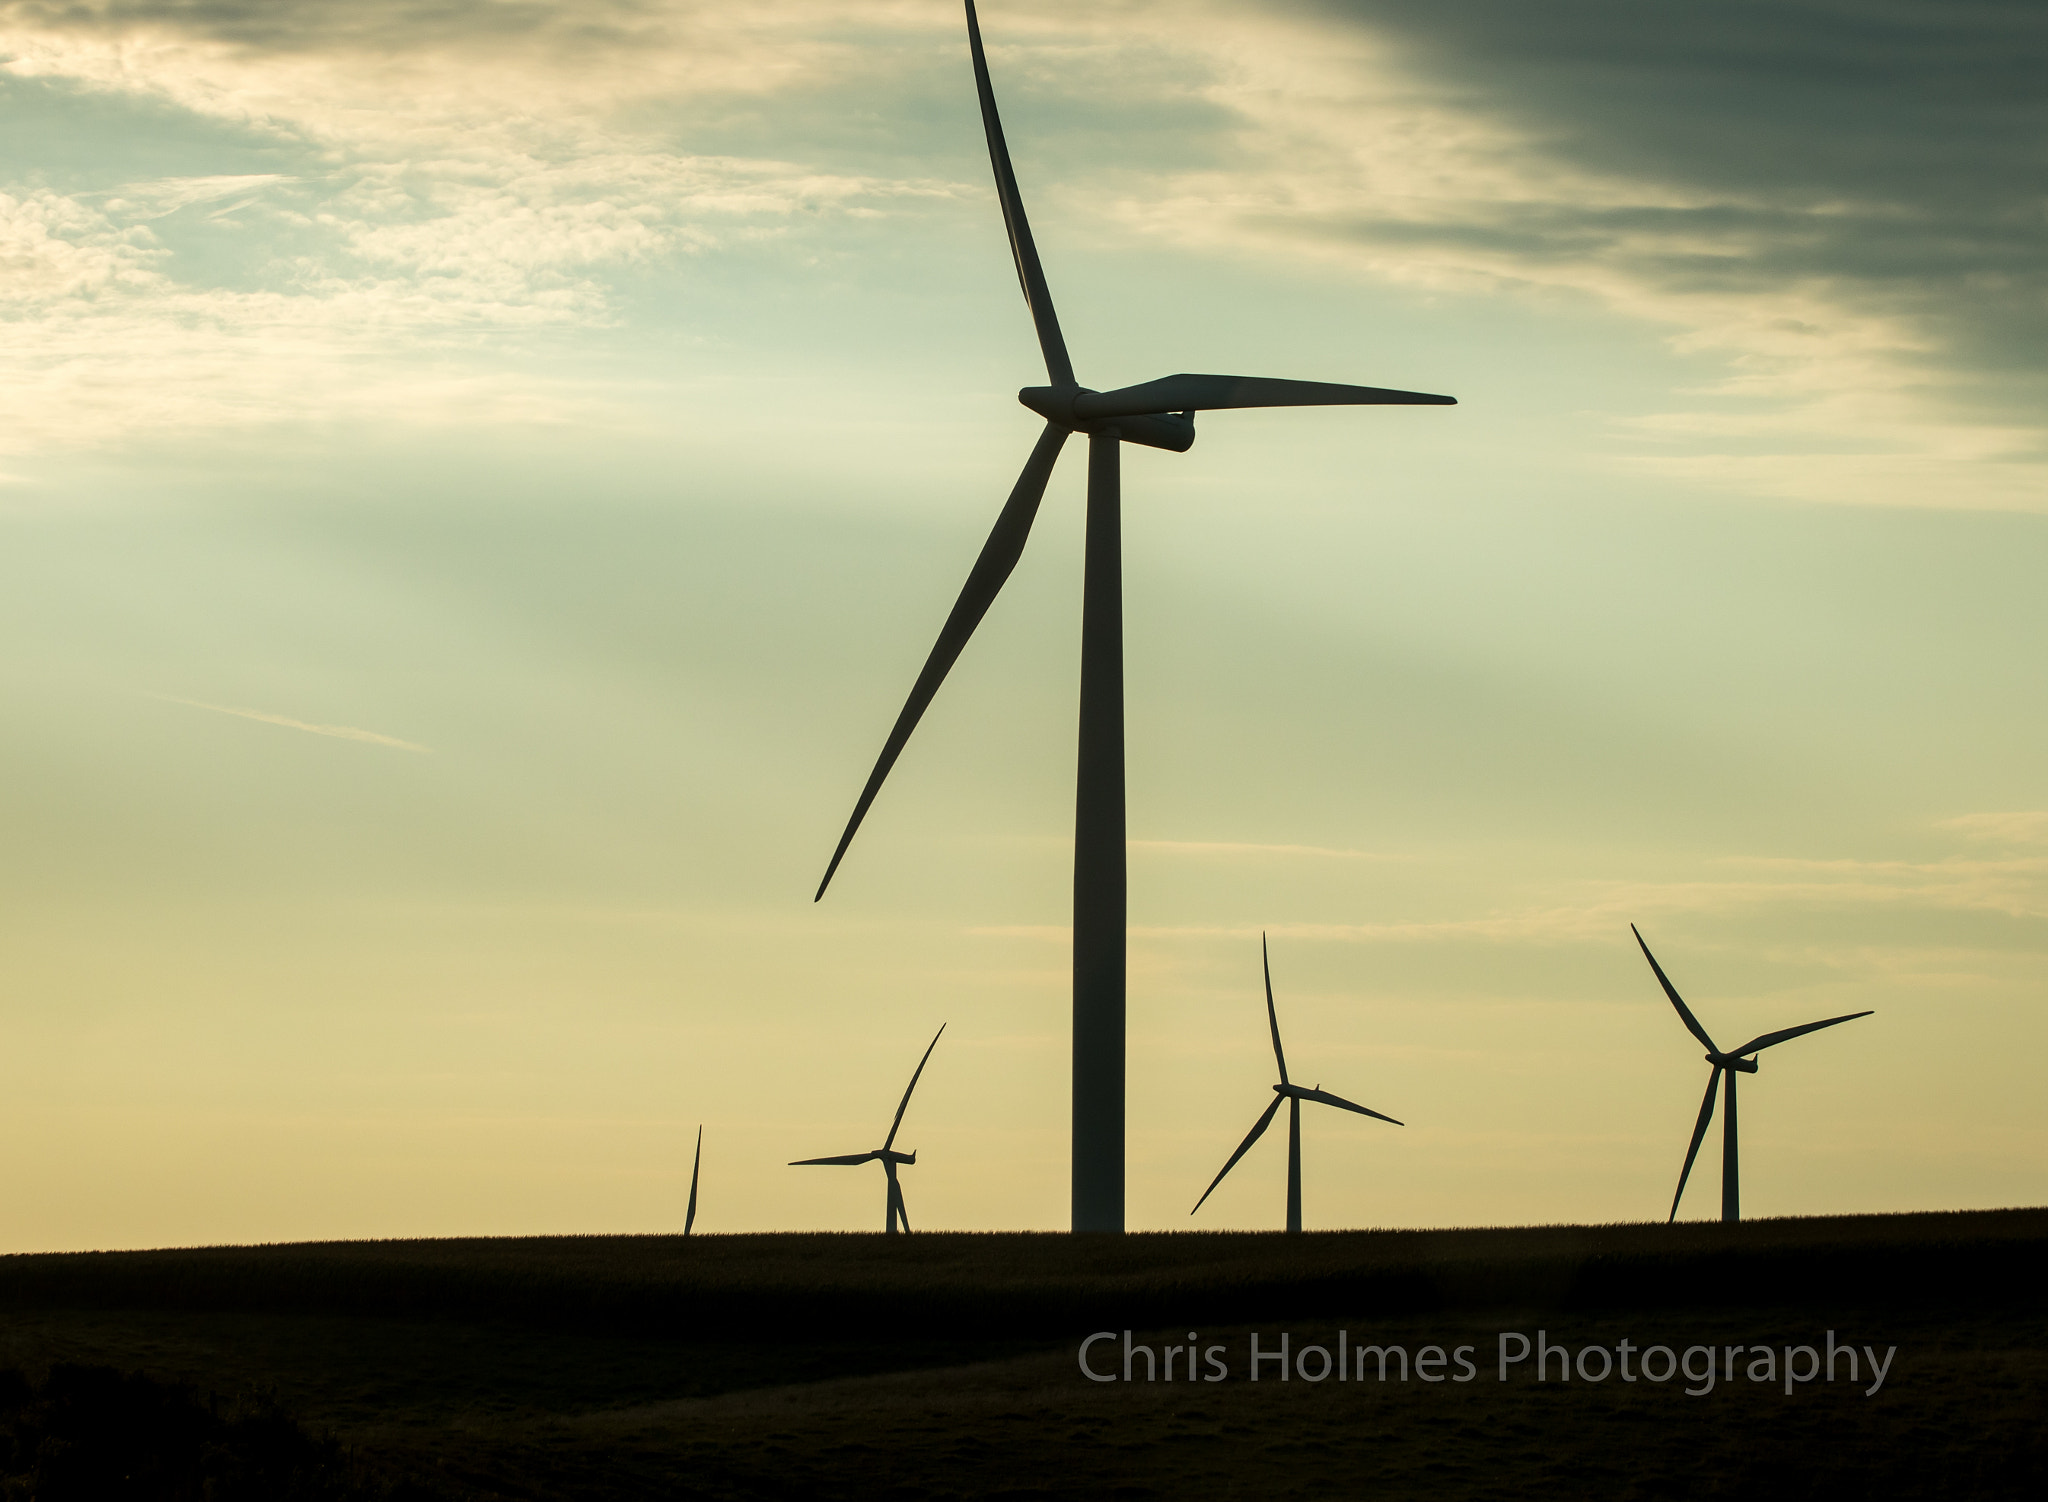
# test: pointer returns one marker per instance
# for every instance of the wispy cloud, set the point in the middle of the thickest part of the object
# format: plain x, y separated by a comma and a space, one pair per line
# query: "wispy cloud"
468, 185
1597, 911
2020, 827
339, 732
166, 195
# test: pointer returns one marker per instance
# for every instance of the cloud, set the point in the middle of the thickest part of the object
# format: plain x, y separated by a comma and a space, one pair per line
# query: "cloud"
1841, 203
2022, 827
56, 249
149, 200
466, 184
1577, 912
339, 732
1835, 207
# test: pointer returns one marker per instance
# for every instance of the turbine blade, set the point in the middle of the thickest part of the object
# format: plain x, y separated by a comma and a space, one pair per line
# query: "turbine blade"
690, 1215
1213, 393
908, 1088
1769, 1040
1692, 1023
1337, 1100
896, 1202
1258, 1130
1272, 1016
1030, 276
849, 1158
998, 557
1699, 1133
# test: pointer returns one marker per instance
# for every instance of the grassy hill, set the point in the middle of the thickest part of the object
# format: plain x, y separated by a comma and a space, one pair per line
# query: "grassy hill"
945, 1365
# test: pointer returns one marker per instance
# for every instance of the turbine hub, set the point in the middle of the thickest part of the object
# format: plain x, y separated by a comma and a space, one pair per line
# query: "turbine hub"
1054, 403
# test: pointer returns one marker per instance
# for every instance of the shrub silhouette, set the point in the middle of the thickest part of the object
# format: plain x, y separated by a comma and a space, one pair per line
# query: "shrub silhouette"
93, 1434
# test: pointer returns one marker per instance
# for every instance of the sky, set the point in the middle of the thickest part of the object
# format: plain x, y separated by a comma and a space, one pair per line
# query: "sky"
478, 480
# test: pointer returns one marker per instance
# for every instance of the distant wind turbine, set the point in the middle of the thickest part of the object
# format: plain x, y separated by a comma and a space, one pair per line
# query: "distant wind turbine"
1726, 1066
886, 1152
1294, 1095
690, 1215
1159, 414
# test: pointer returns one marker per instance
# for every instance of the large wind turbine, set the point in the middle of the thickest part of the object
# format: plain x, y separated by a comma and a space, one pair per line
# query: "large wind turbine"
1726, 1067
886, 1152
1294, 1095
1159, 414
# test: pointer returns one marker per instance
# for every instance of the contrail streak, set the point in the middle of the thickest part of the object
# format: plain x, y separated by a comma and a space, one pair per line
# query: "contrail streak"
339, 732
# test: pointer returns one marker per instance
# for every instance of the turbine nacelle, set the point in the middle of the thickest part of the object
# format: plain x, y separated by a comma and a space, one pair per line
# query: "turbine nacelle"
1173, 431
1730, 1061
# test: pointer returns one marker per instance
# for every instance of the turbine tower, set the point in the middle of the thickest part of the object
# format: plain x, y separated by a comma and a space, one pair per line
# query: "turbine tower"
1294, 1095
1726, 1067
697, 1162
887, 1153
1158, 414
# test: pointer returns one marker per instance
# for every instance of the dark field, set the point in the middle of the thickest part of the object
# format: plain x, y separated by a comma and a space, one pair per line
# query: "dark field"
944, 1365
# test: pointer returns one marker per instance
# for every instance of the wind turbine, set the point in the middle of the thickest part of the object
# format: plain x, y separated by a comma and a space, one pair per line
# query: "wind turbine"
690, 1215
1159, 414
1294, 1095
1726, 1066
886, 1152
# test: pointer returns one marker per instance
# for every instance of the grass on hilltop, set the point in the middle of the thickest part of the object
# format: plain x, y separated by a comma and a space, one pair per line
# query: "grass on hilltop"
1035, 1285
942, 1365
